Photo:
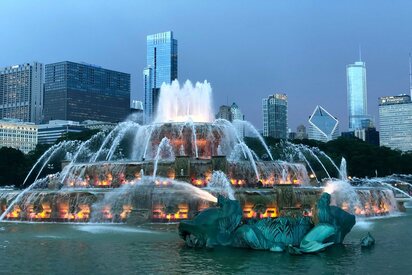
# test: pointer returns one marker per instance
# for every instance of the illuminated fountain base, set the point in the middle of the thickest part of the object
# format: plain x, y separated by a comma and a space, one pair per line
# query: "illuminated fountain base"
163, 203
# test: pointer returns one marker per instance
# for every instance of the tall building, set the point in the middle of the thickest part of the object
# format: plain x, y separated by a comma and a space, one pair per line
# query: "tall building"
275, 116
236, 114
161, 67
21, 92
301, 132
395, 116
369, 135
78, 92
322, 125
18, 135
357, 95
224, 113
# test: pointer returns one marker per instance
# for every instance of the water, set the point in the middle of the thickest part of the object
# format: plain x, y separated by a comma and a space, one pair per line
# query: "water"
187, 102
157, 249
220, 184
184, 126
343, 170
163, 146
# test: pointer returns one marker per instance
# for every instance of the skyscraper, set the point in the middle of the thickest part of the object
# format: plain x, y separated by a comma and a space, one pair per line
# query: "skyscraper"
161, 67
78, 92
395, 116
237, 115
236, 112
357, 96
301, 132
322, 125
21, 92
224, 113
275, 116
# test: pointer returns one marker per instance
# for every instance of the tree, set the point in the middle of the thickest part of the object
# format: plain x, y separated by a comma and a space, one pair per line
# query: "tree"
13, 166
363, 159
81, 136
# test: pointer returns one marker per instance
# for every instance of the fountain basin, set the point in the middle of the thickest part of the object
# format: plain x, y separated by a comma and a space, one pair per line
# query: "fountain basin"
163, 203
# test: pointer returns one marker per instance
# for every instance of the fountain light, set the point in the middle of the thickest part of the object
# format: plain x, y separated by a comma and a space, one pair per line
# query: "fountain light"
137, 176
15, 213
171, 174
122, 178
44, 214
127, 209
198, 182
249, 212
269, 213
84, 212
159, 213
107, 213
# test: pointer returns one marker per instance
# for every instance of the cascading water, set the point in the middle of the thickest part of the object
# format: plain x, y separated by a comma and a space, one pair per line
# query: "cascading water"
183, 151
194, 138
37, 182
342, 192
329, 159
361, 200
291, 151
343, 170
166, 149
185, 103
255, 132
220, 184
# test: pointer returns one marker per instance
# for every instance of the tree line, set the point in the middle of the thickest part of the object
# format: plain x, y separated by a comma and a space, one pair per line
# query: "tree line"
15, 165
363, 159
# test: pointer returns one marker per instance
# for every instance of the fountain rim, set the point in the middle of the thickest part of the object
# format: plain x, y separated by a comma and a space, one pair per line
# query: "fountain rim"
133, 162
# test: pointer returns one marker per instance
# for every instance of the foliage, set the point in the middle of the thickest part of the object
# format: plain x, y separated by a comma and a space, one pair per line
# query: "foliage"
363, 159
82, 136
13, 166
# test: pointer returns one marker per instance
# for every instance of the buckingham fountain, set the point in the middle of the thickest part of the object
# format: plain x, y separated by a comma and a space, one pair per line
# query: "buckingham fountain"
175, 167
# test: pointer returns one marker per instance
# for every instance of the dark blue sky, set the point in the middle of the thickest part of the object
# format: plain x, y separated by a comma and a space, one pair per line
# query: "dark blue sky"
246, 49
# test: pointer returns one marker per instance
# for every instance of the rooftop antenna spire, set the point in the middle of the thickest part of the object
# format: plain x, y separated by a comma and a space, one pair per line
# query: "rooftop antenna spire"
360, 52
410, 74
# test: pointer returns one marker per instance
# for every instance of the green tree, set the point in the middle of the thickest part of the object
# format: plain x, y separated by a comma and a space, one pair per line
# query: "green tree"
82, 136
13, 166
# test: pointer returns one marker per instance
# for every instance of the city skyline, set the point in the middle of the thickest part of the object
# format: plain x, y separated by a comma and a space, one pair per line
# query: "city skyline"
207, 50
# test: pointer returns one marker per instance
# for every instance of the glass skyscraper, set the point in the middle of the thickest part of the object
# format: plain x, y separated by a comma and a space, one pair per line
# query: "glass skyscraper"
21, 92
79, 92
357, 96
275, 116
161, 67
395, 116
322, 125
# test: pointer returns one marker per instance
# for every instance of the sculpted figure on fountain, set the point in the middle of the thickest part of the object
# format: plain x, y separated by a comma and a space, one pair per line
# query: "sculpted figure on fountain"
222, 226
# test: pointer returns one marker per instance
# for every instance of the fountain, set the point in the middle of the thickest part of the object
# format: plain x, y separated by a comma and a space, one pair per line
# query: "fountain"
173, 168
